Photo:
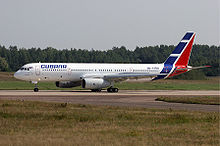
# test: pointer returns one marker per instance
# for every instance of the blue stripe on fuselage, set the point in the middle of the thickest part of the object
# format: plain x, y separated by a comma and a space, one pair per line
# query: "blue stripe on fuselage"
159, 77
168, 66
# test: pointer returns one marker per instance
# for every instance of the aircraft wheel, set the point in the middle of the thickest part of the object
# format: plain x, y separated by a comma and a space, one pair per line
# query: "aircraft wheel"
112, 90
96, 90
115, 89
36, 89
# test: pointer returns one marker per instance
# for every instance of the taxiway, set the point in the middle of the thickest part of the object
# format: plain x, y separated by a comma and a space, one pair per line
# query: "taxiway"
139, 98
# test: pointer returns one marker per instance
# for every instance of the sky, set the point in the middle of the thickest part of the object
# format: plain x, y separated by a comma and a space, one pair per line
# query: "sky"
103, 24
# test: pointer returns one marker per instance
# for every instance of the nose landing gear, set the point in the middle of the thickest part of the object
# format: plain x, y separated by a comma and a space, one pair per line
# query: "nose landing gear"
35, 86
36, 89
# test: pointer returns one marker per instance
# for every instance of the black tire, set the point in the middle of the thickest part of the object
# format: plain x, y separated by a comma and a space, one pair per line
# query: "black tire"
115, 89
110, 90
96, 90
93, 90
36, 89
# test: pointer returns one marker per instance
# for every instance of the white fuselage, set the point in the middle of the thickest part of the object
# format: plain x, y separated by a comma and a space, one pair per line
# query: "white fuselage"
77, 71
96, 76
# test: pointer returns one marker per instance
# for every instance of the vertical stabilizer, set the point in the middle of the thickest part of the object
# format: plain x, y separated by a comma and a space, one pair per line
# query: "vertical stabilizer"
178, 60
181, 54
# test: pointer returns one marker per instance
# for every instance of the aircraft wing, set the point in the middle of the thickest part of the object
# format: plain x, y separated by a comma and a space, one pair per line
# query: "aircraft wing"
120, 76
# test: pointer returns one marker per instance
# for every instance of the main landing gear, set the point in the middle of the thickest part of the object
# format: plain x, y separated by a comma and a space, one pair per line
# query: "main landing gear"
112, 90
96, 90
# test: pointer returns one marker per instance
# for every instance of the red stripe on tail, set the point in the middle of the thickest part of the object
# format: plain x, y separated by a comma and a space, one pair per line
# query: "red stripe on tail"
184, 58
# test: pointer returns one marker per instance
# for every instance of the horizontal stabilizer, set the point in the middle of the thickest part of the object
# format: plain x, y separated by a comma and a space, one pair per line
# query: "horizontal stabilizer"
198, 67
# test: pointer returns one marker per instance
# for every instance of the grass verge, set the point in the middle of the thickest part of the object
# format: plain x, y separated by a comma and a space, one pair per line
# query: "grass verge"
8, 82
39, 123
158, 85
209, 100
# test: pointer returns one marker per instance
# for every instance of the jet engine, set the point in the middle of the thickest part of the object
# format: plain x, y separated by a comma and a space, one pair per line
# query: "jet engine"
67, 84
94, 83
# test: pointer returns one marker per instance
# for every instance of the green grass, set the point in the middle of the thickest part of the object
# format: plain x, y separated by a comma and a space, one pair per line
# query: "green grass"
170, 85
8, 82
192, 100
39, 123
22, 85
159, 85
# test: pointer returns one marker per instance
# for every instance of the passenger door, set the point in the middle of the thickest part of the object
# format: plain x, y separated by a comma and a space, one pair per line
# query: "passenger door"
37, 70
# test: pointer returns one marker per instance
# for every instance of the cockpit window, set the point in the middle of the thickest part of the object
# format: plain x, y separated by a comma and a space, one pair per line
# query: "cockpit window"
25, 68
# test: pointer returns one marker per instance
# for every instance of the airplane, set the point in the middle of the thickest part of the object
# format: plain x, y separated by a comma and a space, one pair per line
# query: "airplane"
96, 76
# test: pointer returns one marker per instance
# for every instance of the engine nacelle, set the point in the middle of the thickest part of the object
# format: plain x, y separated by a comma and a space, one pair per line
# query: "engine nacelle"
91, 83
67, 84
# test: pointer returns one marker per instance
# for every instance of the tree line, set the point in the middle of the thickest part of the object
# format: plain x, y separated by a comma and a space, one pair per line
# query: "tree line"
12, 58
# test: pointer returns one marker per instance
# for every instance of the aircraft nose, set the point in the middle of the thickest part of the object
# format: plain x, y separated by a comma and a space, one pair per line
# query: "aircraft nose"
16, 75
